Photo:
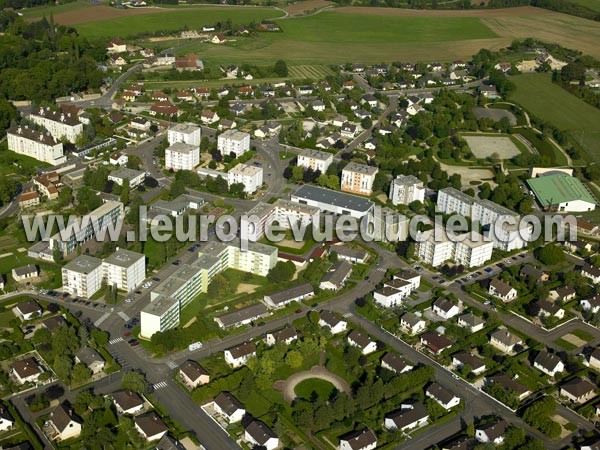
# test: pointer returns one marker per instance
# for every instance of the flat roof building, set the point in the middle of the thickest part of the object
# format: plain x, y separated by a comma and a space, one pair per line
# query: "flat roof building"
333, 201
561, 192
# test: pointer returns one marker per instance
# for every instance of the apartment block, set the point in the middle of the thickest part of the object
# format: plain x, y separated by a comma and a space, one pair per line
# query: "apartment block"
185, 134
124, 269
36, 144
82, 276
250, 176
182, 156
358, 178
315, 160
233, 142
406, 189
473, 251
468, 249
190, 280
59, 124
87, 227
435, 250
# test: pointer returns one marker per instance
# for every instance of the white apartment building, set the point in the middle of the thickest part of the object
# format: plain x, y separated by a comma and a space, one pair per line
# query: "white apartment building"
315, 160
435, 248
473, 251
190, 280
186, 134
283, 212
58, 124
500, 224
250, 176
358, 178
182, 156
124, 269
233, 142
82, 276
406, 189
36, 144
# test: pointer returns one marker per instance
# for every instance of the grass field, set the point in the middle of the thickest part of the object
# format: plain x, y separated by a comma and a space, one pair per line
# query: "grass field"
169, 20
40, 11
537, 94
321, 388
592, 4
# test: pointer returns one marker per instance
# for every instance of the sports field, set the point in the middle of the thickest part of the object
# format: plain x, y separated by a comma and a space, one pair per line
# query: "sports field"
537, 94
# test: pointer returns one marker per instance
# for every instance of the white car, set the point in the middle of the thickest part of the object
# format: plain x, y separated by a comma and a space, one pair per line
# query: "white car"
128, 300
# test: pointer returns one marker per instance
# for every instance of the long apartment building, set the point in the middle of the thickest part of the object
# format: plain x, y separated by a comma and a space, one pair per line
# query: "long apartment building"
36, 144
87, 227
435, 248
233, 142
181, 156
59, 124
406, 189
283, 212
185, 134
315, 160
190, 280
505, 236
358, 178
84, 275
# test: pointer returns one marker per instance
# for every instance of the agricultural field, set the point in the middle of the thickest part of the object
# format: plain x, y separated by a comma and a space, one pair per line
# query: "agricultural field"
537, 94
592, 4
46, 10
316, 72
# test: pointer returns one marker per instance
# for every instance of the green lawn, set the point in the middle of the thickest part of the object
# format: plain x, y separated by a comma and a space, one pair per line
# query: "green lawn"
46, 10
173, 20
307, 389
592, 4
537, 94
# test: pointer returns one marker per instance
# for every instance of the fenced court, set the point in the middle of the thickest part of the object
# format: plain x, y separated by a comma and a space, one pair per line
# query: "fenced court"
485, 146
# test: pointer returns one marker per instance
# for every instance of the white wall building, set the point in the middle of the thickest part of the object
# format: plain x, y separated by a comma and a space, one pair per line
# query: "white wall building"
473, 251
250, 176
59, 125
185, 134
36, 144
358, 178
182, 156
124, 269
233, 141
135, 177
406, 189
315, 160
82, 276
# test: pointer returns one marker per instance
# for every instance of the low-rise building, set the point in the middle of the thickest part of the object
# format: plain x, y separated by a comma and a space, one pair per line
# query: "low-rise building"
229, 407
193, 374
412, 324
337, 275
64, 423
492, 432
150, 426
335, 202
505, 341
395, 363
578, 390
25, 273
287, 296
548, 363
362, 341
445, 308
260, 435
240, 354
91, 358
27, 310
329, 320
462, 359
285, 336
122, 174
408, 417
442, 395
502, 290
242, 316
435, 342
363, 439
471, 322
127, 402
26, 370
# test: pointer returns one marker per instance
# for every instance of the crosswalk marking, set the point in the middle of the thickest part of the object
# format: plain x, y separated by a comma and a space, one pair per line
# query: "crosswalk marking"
172, 365
102, 318
123, 316
381, 269
160, 385
115, 340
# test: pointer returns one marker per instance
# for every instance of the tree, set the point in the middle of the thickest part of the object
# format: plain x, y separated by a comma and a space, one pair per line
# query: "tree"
551, 254
80, 373
366, 123
177, 189
294, 359
282, 272
135, 381
65, 197
62, 367
281, 68
219, 286
125, 192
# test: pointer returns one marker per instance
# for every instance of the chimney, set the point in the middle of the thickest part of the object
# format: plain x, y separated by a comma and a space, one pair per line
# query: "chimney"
62, 117
19, 130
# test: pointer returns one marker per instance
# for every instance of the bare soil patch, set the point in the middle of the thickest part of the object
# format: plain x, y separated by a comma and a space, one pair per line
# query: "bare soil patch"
484, 146
244, 288
572, 339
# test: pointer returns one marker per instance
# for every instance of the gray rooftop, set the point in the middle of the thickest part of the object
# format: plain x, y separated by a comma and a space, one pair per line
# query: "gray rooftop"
335, 198
361, 168
83, 264
124, 258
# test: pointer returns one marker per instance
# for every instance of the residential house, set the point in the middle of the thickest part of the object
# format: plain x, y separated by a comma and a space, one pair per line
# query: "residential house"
435, 342
209, 117
502, 290
445, 308
462, 359
362, 341
193, 374
127, 402
229, 407
351, 254
349, 130
471, 322
548, 363
333, 322
239, 355
549, 309
563, 294
509, 384
505, 341
442, 395
91, 358
337, 275
491, 432
412, 324
290, 295
218, 39
116, 46
286, 336
534, 273
118, 159
7, 421
578, 390
363, 439
65, 425
27, 310
52, 324
395, 363
25, 272
150, 426
591, 304
26, 370
261, 436
591, 272
408, 417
